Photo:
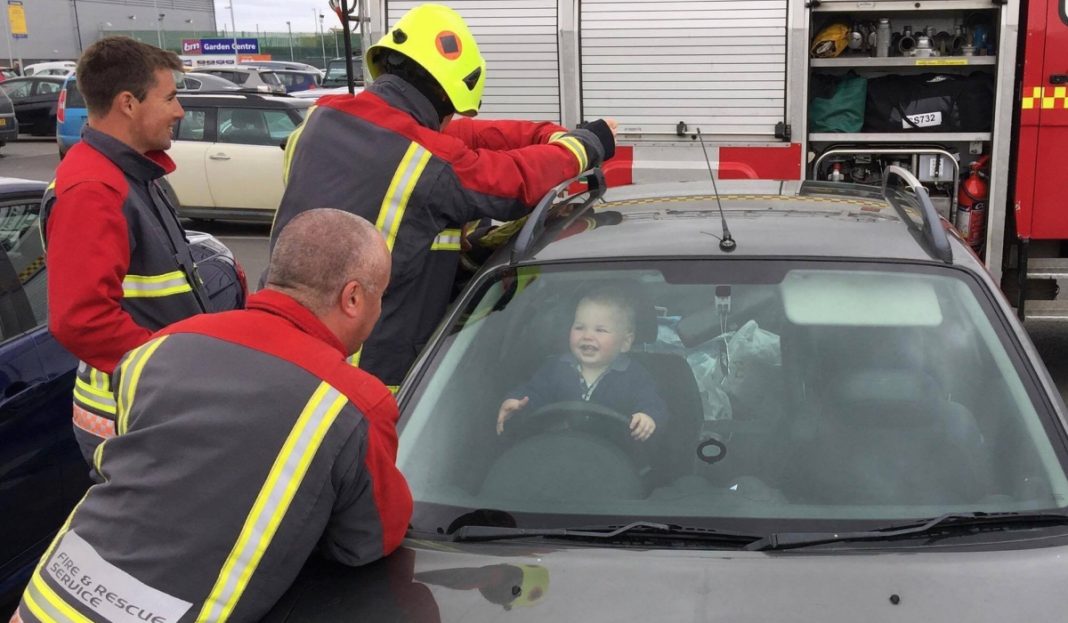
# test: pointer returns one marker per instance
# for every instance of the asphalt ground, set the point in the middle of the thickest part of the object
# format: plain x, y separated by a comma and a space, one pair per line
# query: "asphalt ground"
37, 159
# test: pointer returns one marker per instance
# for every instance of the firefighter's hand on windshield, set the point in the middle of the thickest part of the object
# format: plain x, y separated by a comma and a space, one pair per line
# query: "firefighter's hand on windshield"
508, 407
641, 426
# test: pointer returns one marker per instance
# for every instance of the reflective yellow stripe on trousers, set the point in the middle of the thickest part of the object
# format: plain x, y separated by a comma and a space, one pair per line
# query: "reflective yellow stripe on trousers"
273, 502
153, 286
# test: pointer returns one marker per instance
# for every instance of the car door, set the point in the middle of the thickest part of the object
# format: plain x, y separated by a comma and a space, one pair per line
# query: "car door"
42, 473
20, 90
193, 136
42, 105
245, 164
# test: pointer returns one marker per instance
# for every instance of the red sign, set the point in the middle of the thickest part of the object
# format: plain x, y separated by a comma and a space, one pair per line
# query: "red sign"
191, 46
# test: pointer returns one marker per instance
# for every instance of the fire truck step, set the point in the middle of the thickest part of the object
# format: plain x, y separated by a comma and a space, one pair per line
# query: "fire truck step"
1046, 310
1047, 268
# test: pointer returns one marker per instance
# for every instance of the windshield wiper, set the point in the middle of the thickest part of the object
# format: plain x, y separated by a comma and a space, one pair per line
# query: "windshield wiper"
637, 529
949, 521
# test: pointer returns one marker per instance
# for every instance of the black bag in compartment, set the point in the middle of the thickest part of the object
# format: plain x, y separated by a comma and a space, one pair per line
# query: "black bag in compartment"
930, 103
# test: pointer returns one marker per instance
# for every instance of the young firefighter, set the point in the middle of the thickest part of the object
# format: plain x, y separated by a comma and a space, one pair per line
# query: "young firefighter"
395, 155
119, 265
596, 369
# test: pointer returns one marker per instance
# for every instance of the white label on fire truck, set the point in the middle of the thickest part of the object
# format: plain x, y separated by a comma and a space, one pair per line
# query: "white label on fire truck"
922, 120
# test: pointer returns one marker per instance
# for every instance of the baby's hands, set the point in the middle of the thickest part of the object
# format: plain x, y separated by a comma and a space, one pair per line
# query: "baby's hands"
508, 407
641, 426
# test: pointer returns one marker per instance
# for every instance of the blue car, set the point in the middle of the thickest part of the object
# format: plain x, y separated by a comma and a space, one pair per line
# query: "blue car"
71, 114
42, 473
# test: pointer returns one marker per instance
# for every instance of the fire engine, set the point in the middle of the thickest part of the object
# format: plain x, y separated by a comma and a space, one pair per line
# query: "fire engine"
748, 72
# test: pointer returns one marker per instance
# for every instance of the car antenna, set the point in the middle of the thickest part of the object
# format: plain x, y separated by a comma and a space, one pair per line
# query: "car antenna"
726, 243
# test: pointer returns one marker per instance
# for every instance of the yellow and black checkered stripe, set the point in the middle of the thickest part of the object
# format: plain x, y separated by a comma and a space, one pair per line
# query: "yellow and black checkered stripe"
32, 269
1046, 98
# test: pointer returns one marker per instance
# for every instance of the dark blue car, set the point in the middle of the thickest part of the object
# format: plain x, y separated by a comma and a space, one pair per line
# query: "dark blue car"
42, 473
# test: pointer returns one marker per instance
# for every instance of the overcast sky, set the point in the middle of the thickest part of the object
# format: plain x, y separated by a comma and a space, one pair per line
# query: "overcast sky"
271, 15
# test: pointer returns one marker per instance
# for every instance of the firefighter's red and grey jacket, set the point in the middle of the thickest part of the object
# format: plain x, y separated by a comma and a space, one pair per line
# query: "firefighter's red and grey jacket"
246, 441
381, 155
119, 266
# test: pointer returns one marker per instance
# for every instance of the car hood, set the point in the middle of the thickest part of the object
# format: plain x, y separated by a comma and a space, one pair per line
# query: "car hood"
433, 581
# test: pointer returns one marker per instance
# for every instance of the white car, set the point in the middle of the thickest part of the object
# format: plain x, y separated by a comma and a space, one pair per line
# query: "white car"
56, 68
229, 155
314, 94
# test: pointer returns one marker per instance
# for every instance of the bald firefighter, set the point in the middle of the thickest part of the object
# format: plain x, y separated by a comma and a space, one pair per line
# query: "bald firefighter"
245, 442
395, 155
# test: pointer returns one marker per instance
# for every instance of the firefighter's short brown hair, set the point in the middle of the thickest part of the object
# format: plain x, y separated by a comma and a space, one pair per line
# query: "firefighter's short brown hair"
116, 64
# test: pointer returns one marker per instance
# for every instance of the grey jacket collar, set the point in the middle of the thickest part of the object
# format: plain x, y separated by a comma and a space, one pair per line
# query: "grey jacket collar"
135, 165
403, 96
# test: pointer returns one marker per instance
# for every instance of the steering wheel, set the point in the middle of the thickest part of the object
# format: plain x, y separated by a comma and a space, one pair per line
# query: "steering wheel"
577, 415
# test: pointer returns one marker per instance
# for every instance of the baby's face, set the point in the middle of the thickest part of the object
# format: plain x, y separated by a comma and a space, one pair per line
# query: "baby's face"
599, 334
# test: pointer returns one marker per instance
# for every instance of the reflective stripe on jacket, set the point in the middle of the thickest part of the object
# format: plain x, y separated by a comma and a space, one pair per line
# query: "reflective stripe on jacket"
245, 442
381, 155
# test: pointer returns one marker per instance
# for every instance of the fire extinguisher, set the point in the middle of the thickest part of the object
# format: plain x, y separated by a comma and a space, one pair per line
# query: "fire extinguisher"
971, 204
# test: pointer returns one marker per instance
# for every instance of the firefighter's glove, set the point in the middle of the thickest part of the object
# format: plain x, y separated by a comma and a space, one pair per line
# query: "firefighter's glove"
606, 138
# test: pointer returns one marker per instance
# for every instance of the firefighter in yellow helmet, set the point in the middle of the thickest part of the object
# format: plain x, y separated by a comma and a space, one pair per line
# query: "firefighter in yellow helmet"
406, 155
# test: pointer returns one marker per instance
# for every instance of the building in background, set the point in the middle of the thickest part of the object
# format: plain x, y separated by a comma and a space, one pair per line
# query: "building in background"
61, 29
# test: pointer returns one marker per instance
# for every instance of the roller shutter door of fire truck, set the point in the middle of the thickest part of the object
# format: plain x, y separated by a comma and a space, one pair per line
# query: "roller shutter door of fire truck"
715, 64
518, 40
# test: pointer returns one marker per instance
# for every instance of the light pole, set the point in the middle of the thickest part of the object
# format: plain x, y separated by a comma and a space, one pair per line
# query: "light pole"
233, 27
194, 28
322, 38
337, 52
159, 36
289, 26
132, 19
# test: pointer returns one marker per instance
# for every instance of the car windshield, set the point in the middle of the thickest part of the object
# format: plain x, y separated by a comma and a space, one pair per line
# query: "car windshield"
782, 392
335, 72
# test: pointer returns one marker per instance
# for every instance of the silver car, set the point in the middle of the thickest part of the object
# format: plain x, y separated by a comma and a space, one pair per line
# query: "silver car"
246, 77
852, 424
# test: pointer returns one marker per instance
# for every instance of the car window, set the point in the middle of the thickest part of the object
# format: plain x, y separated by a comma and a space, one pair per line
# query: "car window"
780, 391
270, 78
46, 87
193, 125
74, 96
17, 89
192, 84
23, 292
251, 126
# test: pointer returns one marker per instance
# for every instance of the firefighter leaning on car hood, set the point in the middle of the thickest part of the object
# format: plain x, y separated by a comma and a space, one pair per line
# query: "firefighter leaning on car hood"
119, 264
395, 155
245, 442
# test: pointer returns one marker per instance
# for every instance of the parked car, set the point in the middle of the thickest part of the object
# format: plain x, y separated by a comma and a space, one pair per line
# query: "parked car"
252, 78
335, 72
195, 81
36, 100
280, 65
9, 123
314, 94
7, 72
53, 68
856, 426
43, 473
71, 115
229, 156
298, 80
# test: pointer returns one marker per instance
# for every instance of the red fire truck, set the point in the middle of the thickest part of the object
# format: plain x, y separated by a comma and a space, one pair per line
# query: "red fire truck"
746, 72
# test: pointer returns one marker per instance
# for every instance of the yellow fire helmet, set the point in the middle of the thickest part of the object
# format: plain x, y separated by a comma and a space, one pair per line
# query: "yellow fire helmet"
437, 38
831, 41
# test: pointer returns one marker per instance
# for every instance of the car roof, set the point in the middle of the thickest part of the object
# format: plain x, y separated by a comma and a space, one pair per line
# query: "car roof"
683, 220
17, 185
245, 68
240, 100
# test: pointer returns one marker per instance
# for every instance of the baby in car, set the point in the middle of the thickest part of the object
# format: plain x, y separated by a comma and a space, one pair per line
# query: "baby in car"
596, 369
